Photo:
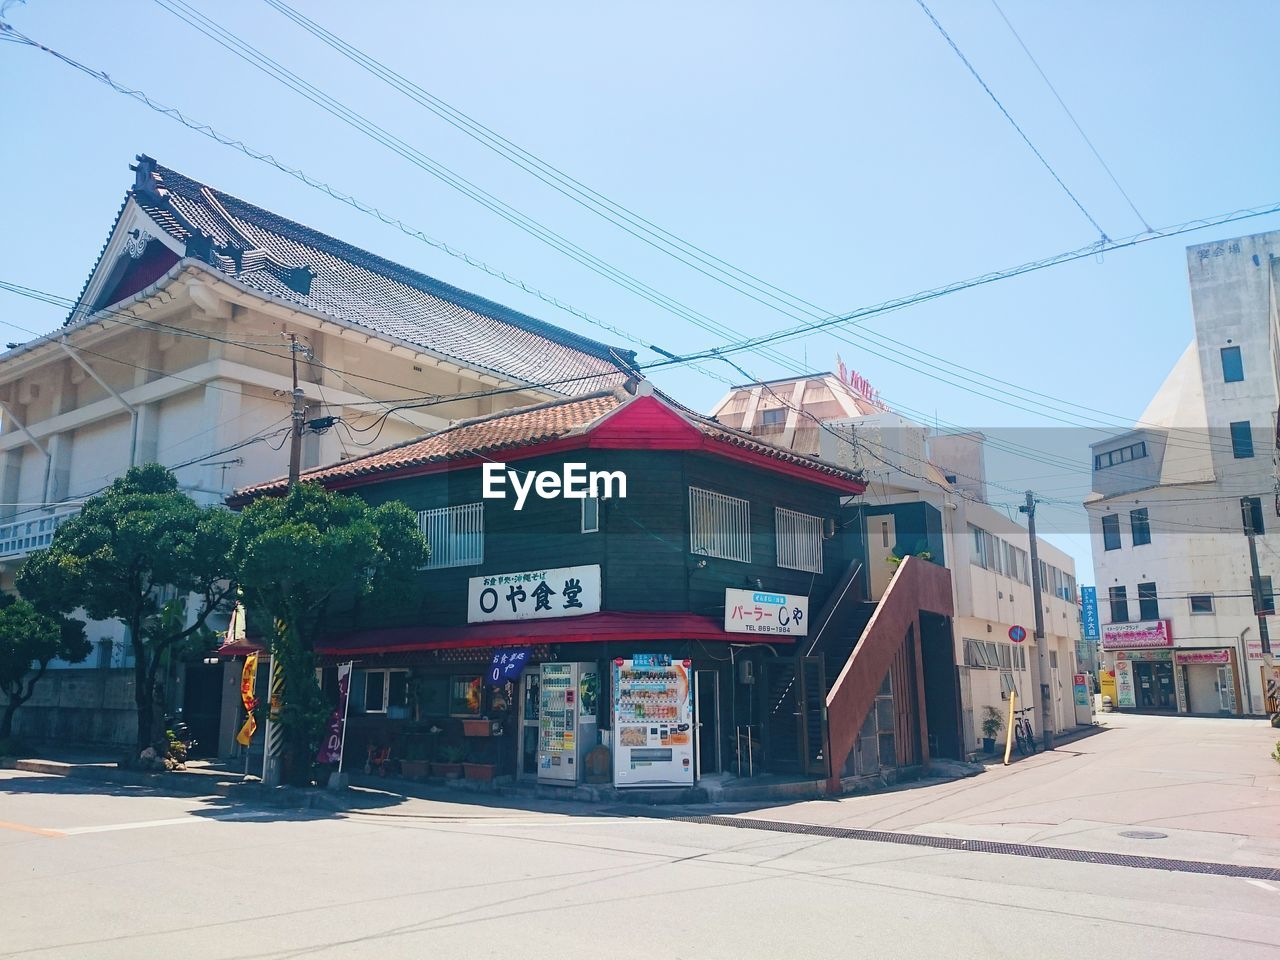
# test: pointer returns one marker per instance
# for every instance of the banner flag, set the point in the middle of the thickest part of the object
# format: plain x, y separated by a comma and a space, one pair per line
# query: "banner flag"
336, 732
248, 680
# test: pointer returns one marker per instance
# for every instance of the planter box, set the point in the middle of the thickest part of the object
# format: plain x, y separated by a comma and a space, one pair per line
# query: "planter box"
413, 769
989, 744
480, 771
477, 728
450, 771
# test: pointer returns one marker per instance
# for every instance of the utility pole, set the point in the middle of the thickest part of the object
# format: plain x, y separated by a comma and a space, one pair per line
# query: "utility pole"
1042, 672
1259, 606
299, 414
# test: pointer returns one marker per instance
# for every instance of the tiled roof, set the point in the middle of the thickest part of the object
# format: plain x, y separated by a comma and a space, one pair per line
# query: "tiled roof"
261, 250
525, 427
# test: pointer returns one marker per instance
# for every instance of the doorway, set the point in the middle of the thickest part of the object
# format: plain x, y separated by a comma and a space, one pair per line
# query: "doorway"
706, 699
202, 706
881, 537
1153, 685
530, 690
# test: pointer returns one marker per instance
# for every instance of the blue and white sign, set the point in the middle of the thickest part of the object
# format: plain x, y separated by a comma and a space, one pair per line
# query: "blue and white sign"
507, 665
1089, 612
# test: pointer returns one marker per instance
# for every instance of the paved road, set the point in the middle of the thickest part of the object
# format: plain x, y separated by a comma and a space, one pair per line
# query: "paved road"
94, 872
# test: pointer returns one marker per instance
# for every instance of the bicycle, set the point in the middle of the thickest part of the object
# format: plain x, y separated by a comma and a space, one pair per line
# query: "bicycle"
1024, 737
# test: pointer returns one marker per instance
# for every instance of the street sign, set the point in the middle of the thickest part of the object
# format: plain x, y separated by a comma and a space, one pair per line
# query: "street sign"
1089, 612
1017, 634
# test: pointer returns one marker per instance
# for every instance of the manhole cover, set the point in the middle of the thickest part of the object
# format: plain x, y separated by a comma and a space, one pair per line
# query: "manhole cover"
1143, 834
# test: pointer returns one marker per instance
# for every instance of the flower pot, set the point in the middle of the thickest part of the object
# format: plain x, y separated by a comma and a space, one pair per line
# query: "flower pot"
480, 771
413, 769
989, 744
450, 771
477, 728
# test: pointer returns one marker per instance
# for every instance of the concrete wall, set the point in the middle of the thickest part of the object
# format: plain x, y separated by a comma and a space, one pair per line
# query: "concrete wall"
80, 707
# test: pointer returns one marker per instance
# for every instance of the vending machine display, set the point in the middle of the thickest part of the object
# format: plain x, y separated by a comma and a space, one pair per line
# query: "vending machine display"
566, 720
652, 722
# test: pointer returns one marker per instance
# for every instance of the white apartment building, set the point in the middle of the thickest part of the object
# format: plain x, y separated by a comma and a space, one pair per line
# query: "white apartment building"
927, 493
178, 353
1172, 499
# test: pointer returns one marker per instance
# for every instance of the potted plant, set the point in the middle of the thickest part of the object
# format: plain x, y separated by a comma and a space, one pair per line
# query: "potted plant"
992, 721
414, 765
482, 727
449, 765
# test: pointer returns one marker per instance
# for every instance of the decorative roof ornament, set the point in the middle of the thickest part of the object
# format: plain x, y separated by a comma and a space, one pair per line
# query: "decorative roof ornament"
136, 245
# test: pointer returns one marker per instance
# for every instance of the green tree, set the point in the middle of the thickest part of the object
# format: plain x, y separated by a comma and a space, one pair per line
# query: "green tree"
135, 553
297, 558
28, 642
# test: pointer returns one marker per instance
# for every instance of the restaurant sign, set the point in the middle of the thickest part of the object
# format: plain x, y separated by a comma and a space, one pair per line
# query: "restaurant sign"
534, 594
756, 611
1130, 636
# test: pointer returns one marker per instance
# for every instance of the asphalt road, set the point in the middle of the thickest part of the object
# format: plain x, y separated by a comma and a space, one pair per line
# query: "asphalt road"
96, 872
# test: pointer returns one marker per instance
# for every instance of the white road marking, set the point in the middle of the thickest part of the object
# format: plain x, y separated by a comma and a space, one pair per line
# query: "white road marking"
172, 822
1264, 885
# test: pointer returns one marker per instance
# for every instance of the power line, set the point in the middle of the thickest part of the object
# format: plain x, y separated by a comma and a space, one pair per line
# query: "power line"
996, 100
1071, 116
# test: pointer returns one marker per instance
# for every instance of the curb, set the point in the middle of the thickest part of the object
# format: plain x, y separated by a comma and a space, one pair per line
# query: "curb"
276, 797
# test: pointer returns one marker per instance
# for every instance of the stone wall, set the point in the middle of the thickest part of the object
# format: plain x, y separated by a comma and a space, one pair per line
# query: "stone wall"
80, 707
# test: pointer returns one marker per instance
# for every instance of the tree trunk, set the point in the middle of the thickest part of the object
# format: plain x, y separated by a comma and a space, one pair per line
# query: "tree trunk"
143, 698
6, 721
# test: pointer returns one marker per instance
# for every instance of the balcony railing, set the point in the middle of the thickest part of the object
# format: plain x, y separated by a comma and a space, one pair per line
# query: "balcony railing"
20, 538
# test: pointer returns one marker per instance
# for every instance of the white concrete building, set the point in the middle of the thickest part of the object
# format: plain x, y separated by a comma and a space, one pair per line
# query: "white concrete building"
1173, 497
177, 353
927, 493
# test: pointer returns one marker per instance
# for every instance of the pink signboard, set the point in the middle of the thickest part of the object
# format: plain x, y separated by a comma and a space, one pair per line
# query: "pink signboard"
1202, 656
1133, 636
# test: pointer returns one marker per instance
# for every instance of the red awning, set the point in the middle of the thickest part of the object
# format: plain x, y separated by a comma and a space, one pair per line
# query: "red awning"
593, 628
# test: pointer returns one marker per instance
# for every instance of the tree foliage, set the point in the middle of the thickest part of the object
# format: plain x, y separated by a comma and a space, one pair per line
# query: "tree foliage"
135, 553
297, 558
28, 642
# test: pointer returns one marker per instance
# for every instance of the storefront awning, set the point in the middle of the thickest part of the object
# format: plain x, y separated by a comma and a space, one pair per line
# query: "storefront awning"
610, 627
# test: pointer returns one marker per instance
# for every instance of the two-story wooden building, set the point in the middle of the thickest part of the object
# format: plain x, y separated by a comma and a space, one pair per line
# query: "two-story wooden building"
709, 604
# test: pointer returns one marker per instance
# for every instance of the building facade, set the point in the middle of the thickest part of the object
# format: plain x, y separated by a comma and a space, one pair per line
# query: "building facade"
180, 352
724, 562
1176, 500
926, 495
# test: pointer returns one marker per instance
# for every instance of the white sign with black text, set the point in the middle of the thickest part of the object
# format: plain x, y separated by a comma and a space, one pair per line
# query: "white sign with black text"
758, 611
534, 594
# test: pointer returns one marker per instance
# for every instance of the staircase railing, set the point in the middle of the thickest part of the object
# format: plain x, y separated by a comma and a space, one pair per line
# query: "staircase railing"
835, 611
917, 585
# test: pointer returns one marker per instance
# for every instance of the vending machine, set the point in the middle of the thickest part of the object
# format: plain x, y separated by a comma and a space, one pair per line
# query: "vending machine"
652, 722
568, 697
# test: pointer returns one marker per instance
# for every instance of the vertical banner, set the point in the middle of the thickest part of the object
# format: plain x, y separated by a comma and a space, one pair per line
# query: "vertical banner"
1124, 684
1089, 612
248, 680
336, 733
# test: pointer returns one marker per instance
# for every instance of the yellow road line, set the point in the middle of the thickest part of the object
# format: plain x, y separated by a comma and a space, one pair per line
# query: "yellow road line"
23, 828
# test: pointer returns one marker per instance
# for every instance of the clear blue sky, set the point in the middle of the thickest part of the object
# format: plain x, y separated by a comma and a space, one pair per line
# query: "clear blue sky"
838, 150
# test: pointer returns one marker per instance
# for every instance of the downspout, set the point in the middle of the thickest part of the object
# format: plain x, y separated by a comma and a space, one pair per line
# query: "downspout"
133, 411
48, 459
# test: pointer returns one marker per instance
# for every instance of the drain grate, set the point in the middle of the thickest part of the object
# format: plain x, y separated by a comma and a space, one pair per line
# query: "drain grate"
991, 846
1143, 834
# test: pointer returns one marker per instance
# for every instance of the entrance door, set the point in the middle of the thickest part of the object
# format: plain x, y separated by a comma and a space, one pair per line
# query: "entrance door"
202, 706
781, 694
1166, 699
528, 746
1226, 691
1144, 683
880, 540
706, 699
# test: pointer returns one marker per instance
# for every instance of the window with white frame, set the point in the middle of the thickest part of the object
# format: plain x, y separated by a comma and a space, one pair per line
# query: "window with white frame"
799, 540
719, 525
981, 654
454, 534
381, 691
590, 514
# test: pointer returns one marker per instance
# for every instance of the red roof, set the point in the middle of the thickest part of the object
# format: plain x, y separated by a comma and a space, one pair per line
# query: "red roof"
610, 419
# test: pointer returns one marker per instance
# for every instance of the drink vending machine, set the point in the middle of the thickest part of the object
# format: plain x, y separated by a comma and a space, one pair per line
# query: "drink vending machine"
652, 721
569, 695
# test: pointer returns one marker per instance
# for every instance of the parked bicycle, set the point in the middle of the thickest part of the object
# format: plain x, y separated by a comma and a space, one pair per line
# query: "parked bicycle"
1024, 738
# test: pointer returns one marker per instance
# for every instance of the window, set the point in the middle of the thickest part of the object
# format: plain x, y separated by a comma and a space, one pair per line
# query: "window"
1140, 527
773, 418
1232, 365
1201, 602
1148, 603
454, 534
1111, 532
1264, 602
1006, 684
590, 514
981, 655
1251, 514
1241, 440
719, 526
382, 691
1135, 451
799, 538
466, 694
1119, 605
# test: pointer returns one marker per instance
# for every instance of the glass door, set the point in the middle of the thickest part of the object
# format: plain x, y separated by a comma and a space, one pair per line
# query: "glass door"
1226, 690
529, 693
706, 698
